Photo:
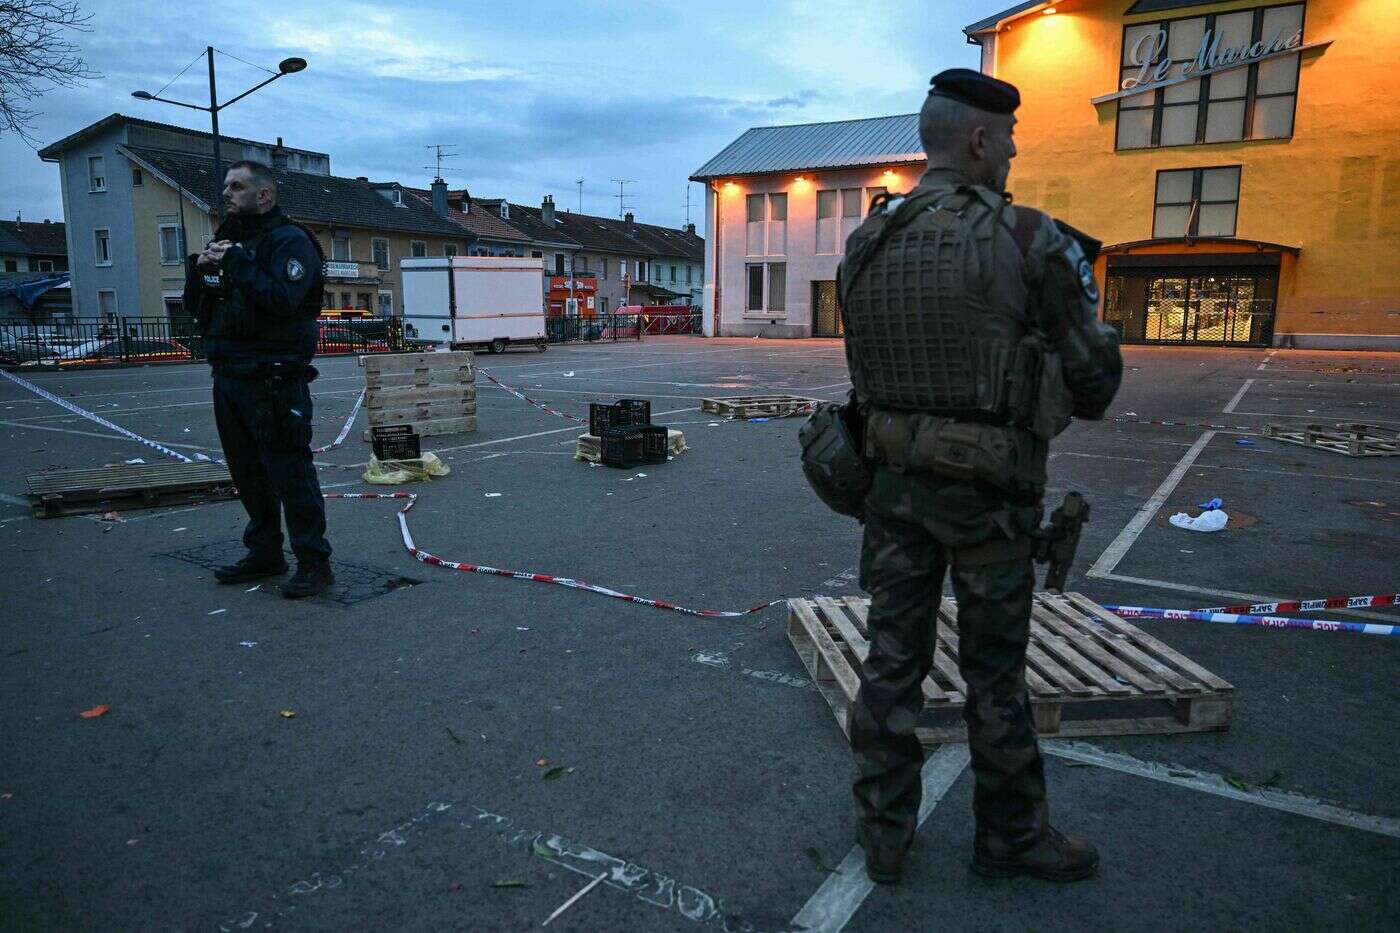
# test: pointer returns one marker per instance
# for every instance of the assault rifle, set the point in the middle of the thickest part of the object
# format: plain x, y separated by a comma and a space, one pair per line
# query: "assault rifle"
1057, 542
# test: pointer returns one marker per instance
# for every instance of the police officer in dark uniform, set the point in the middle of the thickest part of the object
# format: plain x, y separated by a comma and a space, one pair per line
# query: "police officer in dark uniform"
255, 292
972, 336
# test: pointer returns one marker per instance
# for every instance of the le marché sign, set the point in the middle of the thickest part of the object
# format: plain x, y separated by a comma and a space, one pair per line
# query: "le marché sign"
1210, 59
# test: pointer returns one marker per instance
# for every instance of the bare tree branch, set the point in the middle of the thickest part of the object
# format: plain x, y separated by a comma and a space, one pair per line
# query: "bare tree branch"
36, 56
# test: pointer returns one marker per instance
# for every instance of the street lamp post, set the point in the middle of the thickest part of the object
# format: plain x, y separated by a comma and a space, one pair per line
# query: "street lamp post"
285, 67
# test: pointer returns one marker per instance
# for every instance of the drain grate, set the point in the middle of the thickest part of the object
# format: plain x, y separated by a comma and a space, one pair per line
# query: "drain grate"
354, 583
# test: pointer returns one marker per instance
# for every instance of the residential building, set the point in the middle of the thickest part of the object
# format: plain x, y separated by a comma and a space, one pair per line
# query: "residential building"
139, 197
32, 247
494, 236
779, 204
1238, 160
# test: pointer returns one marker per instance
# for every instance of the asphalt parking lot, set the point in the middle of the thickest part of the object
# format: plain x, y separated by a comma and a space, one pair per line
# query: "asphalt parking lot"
416, 787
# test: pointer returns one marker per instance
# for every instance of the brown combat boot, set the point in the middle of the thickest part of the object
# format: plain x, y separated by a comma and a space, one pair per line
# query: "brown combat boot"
1054, 857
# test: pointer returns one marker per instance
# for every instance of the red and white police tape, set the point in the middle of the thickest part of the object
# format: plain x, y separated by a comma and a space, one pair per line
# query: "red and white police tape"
1230, 618
525, 398
129, 435
435, 561
1313, 605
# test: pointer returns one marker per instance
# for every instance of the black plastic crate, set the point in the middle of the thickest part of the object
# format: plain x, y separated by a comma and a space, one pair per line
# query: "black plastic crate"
627, 412
633, 445
395, 442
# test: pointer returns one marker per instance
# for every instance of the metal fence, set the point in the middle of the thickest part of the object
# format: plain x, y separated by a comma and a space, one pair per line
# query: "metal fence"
657, 324
98, 341
612, 327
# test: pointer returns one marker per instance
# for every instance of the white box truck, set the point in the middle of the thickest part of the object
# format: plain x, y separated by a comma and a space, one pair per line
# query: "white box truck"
474, 302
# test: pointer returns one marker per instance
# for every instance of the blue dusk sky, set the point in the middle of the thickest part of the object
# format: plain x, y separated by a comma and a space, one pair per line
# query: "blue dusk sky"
530, 95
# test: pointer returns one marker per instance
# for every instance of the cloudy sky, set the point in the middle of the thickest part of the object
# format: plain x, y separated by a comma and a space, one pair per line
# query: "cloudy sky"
531, 95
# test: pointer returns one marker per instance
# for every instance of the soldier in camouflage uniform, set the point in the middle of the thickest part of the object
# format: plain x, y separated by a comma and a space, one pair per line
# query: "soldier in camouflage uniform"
972, 336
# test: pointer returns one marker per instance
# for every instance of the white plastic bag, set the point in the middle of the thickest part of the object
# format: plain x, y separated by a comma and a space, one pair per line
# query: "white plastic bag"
1211, 520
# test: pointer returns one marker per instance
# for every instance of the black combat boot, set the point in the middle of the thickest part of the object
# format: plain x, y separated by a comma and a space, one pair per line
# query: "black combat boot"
884, 859
252, 567
309, 580
1054, 857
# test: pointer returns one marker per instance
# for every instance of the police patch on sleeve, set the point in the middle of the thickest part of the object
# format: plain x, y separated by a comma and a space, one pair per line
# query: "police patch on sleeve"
1086, 280
295, 270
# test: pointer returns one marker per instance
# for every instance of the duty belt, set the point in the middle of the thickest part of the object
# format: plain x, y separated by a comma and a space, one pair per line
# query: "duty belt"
262, 372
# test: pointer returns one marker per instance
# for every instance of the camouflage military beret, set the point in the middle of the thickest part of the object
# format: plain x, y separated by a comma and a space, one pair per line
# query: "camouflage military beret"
976, 90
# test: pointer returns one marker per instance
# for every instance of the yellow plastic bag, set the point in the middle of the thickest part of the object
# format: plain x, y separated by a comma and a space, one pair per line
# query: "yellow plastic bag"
396, 472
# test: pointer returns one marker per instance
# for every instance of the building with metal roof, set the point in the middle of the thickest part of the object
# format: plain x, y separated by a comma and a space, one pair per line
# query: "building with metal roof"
779, 204
841, 144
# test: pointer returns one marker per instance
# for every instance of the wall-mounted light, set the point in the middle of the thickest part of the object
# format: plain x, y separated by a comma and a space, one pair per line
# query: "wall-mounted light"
1047, 11
887, 173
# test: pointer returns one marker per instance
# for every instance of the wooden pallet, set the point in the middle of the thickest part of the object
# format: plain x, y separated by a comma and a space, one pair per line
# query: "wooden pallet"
433, 392
126, 486
757, 406
1352, 439
1088, 671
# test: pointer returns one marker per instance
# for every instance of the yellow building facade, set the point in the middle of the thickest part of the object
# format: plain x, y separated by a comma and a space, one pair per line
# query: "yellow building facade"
1240, 161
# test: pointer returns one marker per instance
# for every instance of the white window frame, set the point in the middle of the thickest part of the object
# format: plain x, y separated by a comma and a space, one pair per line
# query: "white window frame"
116, 310
414, 248
179, 257
349, 248
97, 180
379, 307
374, 253
45, 265
97, 240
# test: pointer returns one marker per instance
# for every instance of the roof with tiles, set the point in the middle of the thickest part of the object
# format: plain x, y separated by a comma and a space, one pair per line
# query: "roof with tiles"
479, 220
33, 239
327, 199
52, 151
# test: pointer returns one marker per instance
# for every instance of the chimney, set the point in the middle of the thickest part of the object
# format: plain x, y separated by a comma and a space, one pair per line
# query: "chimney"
547, 210
629, 218
690, 229
362, 178
440, 197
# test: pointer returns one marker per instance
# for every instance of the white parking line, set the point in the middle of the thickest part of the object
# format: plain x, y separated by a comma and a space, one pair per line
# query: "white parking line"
1215, 784
1230, 405
1115, 552
846, 888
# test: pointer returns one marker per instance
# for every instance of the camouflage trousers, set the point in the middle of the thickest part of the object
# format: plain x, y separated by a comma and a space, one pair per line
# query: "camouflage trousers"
902, 567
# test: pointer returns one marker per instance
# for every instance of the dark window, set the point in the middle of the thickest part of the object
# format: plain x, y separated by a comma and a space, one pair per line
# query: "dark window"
11, 265
418, 248
558, 263
755, 302
1254, 101
536, 254
1196, 202
449, 249
136, 180
381, 254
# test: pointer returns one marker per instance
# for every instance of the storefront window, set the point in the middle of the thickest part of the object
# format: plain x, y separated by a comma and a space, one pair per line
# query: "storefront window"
1254, 101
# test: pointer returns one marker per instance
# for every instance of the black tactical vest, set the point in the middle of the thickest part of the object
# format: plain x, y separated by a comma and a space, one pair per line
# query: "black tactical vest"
232, 318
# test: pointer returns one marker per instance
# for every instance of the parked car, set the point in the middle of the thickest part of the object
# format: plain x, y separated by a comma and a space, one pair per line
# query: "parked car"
124, 350
16, 349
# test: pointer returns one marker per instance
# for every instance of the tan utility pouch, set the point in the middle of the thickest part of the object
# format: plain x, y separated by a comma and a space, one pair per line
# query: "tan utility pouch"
909, 442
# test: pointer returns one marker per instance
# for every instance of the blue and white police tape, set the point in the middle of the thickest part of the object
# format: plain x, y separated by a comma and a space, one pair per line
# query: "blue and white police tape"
345, 429
98, 419
1231, 618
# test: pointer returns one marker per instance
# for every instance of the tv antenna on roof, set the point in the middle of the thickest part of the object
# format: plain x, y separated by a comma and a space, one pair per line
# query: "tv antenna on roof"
579, 182
687, 204
440, 149
620, 195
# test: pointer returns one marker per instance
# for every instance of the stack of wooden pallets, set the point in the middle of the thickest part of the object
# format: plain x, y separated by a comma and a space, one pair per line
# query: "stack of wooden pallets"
1088, 671
433, 392
1354, 440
